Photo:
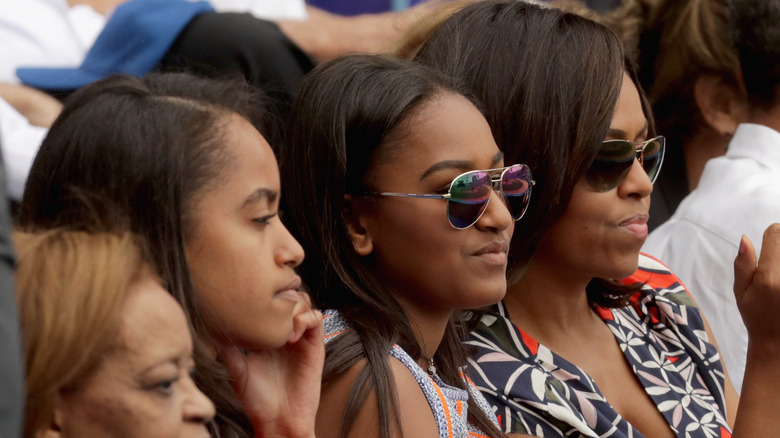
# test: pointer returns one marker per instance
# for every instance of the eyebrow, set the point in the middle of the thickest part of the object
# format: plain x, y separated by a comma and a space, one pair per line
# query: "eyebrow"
458, 164
619, 133
175, 360
260, 194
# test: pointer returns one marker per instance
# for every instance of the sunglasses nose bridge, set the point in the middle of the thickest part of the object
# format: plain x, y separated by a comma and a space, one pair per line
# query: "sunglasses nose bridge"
495, 184
640, 154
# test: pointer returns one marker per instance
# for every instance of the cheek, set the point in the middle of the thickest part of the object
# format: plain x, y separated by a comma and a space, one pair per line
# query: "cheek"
236, 279
119, 415
229, 263
416, 235
421, 255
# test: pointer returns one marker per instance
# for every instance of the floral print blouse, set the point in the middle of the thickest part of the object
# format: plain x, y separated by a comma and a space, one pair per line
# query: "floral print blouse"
536, 392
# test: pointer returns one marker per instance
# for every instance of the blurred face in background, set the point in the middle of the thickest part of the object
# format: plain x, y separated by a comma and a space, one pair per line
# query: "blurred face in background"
142, 387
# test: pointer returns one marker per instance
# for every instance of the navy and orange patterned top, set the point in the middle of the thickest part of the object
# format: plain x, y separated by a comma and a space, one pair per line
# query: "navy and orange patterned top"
536, 392
449, 404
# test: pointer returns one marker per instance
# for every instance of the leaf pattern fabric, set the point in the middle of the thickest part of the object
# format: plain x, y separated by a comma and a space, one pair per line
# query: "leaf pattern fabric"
661, 333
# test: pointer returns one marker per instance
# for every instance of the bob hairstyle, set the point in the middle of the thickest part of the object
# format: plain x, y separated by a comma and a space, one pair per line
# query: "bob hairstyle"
136, 153
549, 81
71, 289
348, 118
681, 41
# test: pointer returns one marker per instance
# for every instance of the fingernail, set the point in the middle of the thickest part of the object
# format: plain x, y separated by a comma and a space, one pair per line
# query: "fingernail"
742, 245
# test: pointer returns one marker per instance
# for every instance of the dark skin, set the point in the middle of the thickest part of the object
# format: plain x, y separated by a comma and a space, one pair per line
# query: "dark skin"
591, 240
448, 138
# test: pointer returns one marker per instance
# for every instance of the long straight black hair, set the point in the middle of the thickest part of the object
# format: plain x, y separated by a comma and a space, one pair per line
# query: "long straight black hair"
348, 112
130, 154
548, 81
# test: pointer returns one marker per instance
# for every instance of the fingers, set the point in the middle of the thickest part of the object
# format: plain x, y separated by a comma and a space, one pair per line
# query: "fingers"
744, 267
770, 247
303, 305
305, 318
305, 322
768, 270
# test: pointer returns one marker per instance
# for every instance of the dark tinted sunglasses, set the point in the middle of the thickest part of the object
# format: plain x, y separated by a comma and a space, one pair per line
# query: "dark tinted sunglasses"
615, 158
469, 193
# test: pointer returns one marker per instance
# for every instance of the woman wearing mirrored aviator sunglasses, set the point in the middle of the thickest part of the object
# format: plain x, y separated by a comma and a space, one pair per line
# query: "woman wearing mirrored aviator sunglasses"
401, 198
593, 338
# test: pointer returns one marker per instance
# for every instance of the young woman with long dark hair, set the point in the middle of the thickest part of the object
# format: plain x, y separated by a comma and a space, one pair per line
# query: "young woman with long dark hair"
185, 163
405, 206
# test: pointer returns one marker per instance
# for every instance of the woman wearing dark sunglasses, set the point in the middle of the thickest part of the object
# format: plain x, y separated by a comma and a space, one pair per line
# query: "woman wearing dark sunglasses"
383, 171
592, 339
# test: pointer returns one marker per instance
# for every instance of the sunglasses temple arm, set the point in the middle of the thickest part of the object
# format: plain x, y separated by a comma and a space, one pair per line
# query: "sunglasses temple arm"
414, 195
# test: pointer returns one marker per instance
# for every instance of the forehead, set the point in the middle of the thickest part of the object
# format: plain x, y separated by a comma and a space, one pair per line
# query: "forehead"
446, 128
253, 163
629, 116
153, 325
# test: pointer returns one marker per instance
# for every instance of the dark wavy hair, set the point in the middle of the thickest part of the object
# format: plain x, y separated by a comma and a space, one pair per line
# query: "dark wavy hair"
548, 81
754, 31
680, 41
349, 113
134, 154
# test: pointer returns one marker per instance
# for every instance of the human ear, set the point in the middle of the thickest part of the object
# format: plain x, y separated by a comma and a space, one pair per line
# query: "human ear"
54, 430
355, 219
722, 103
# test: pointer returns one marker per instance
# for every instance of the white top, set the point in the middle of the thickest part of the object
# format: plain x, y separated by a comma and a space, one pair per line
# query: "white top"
20, 142
50, 33
44, 33
738, 193
266, 9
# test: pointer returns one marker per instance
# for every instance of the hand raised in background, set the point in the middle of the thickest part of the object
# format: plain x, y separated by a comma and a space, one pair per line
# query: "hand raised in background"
757, 291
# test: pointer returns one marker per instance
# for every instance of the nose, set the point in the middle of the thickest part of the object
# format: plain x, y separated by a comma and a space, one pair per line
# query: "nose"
496, 216
637, 184
288, 252
197, 407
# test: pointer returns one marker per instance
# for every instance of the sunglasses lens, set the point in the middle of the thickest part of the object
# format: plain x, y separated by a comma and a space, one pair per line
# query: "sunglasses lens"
653, 157
611, 165
469, 194
516, 188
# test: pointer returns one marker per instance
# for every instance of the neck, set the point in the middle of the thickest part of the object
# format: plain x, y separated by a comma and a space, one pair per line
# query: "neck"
428, 327
701, 148
211, 347
769, 118
550, 306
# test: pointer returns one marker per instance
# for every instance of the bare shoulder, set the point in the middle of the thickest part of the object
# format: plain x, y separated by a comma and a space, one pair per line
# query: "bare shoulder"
416, 415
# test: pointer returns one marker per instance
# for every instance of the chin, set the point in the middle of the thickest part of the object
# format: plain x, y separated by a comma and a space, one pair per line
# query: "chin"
272, 338
625, 270
488, 296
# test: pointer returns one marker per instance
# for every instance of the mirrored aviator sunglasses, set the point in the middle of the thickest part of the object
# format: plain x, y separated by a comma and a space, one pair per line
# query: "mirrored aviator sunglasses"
616, 157
469, 193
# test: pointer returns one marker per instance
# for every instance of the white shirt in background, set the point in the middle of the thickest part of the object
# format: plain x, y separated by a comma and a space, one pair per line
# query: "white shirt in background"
739, 193
51, 33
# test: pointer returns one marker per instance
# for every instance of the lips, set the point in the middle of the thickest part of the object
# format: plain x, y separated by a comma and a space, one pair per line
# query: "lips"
638, 219
636, 225
494, 253
495, 247
290, 291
